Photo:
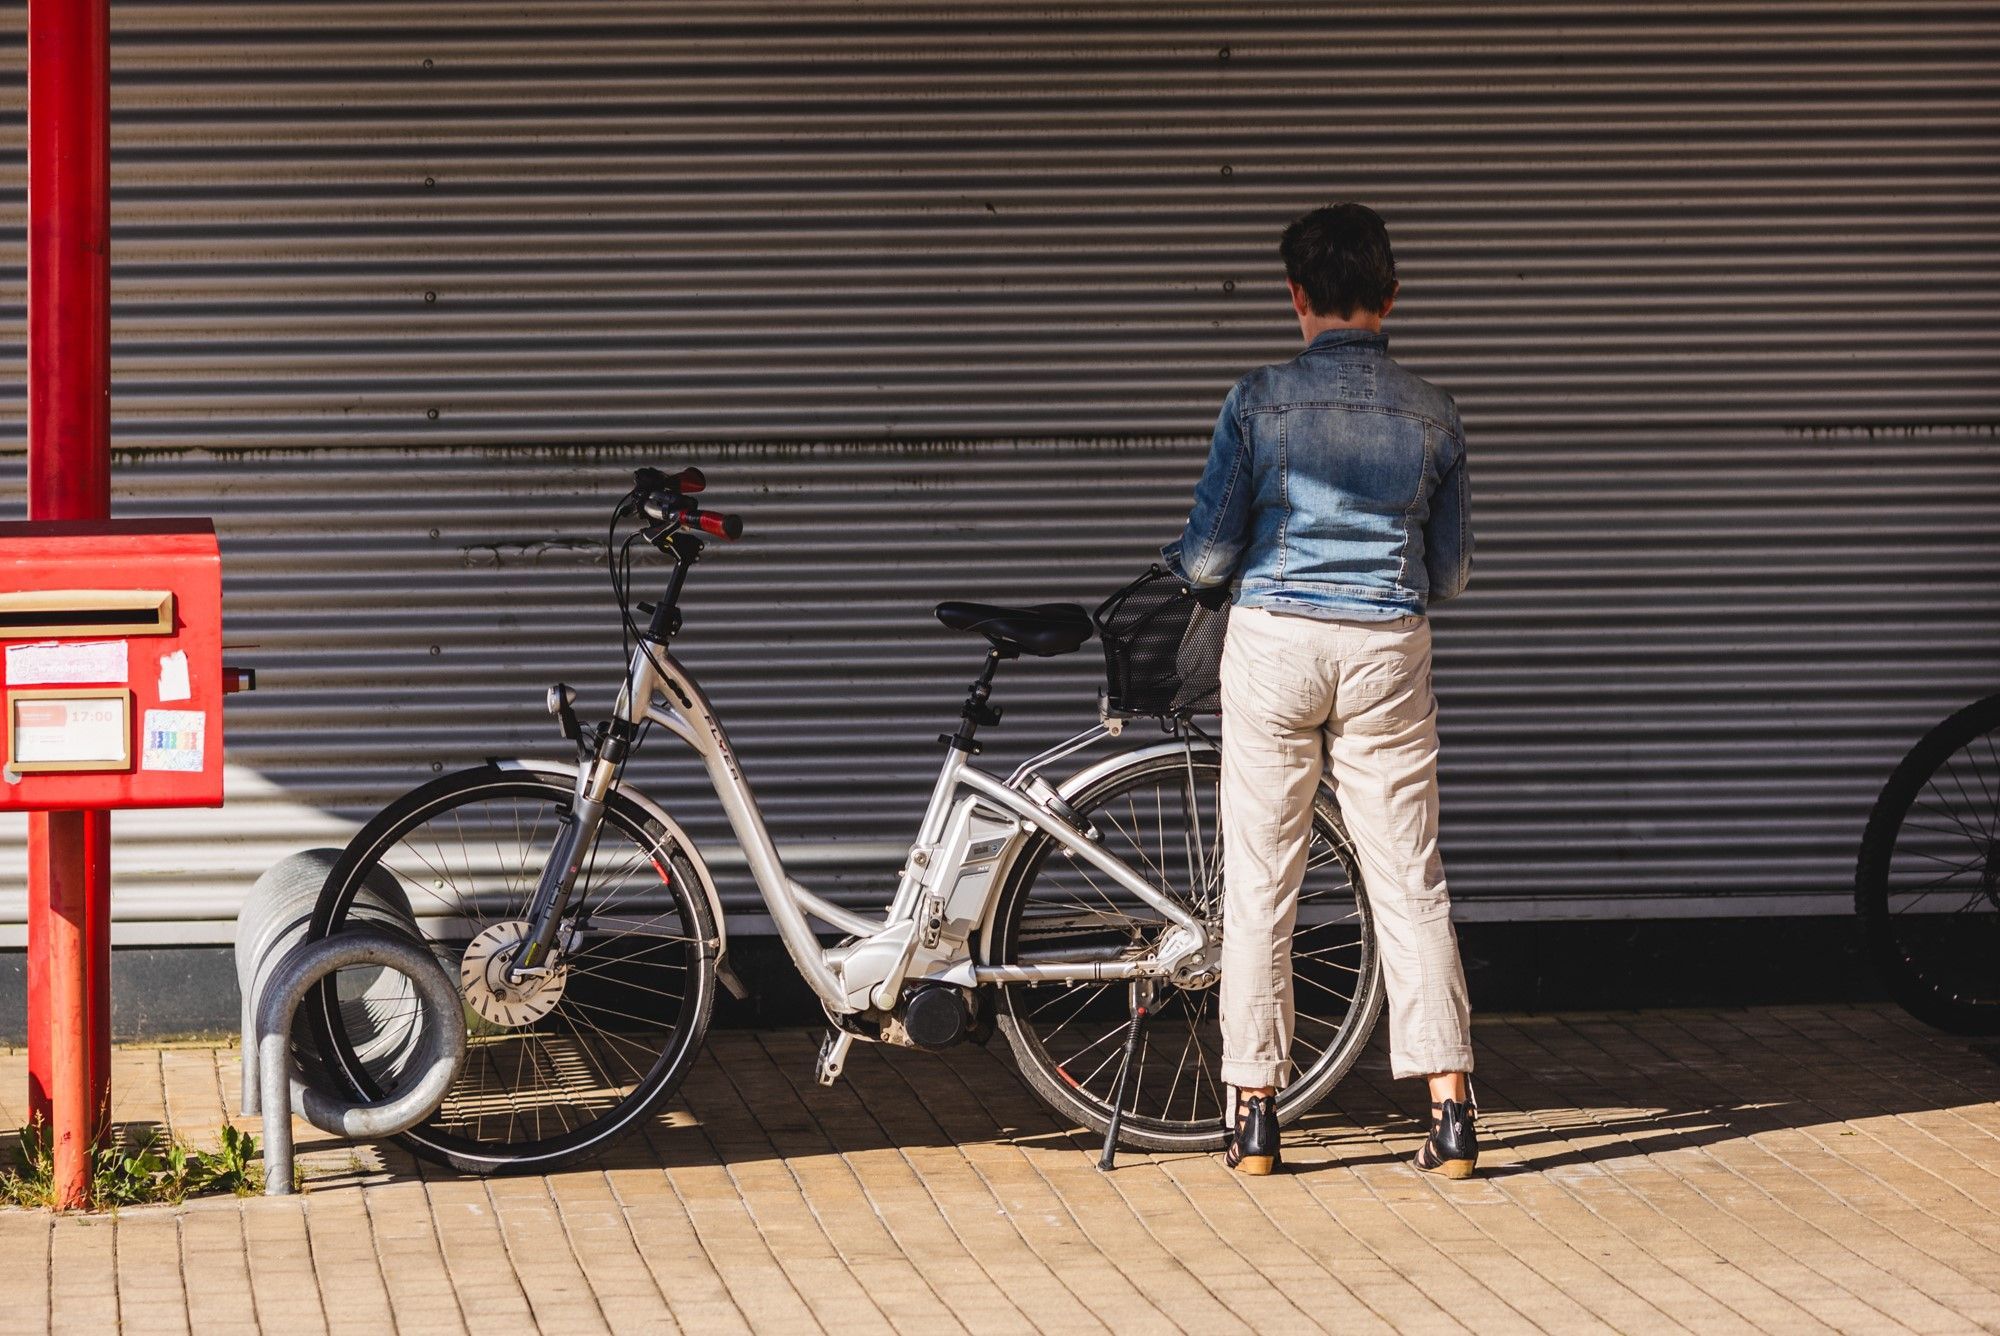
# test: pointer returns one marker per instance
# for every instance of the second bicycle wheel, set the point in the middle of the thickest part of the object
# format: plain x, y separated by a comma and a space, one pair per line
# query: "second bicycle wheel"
1160, 816
1927, 885
559, 1067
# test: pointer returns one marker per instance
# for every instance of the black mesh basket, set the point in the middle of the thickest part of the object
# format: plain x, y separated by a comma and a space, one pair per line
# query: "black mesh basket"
1162, 648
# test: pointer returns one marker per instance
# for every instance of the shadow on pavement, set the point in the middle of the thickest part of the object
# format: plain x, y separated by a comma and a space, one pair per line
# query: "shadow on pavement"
1561, 1092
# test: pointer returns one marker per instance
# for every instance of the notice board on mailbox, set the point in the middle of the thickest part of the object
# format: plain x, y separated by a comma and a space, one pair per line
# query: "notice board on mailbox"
110, 664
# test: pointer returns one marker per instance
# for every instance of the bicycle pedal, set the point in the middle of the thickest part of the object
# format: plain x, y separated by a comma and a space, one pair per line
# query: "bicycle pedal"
833, 1046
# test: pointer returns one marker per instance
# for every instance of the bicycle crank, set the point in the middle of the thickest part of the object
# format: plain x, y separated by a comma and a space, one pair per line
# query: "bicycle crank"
483, 978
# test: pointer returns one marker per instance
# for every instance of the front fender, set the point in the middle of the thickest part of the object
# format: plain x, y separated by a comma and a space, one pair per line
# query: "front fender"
567, 771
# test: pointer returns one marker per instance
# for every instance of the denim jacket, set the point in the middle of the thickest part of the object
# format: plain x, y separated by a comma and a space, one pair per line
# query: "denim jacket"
1335, 488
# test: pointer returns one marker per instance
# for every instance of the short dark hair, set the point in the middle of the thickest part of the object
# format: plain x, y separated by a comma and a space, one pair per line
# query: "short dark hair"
1340, 255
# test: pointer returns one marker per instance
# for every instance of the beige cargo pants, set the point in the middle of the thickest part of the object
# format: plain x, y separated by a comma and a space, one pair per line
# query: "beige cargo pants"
1298, 694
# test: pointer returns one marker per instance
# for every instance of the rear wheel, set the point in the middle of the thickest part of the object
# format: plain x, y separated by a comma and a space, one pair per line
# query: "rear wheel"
1927, 886
1159, 816
557, 1069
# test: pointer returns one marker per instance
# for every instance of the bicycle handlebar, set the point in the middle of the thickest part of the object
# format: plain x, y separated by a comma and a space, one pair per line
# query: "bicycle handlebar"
667, 501
685, 483
728, 528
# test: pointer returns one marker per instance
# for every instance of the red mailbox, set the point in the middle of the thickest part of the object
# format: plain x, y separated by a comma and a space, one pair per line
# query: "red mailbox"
111, 664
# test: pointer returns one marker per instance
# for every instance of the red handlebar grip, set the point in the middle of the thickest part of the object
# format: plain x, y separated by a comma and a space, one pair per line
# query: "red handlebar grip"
688, 481
722, 526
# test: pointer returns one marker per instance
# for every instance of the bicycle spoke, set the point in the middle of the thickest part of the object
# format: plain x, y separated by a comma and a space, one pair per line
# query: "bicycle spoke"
1971, 832
1321, 956
471, 870
1951, 769
1179, 1069
1062, 995
1083, 1005
1933, 858
619, 937
1934, 830
1311, 982
579, 1022
1109, 904
1949, 877
600, 900
1995, 757
531, 866
649, 1022
1191, 1046
1139, 1069
1111, 1055
1191, 844
625, 985
418, 882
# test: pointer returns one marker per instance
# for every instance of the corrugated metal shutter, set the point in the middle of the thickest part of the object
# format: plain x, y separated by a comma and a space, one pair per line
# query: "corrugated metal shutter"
1715, 286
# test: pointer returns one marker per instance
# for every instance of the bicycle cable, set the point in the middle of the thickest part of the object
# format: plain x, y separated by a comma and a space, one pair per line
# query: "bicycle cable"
618, 563
621, 591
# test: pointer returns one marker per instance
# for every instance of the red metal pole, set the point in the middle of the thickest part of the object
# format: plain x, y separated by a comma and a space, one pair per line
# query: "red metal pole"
75, 1116
69, 477
40, 1106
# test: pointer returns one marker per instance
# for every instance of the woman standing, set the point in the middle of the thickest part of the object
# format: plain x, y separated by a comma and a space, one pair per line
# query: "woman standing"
1335, 501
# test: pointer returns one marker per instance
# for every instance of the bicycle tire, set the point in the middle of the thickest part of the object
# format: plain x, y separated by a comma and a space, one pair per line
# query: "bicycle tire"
1070, 1097
434, 1140
1913, 965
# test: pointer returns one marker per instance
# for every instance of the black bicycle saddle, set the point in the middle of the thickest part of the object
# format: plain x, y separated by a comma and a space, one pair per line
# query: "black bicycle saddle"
1043, 630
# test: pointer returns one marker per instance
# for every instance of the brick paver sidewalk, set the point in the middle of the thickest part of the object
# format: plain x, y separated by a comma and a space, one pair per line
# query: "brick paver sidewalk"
1767, 1170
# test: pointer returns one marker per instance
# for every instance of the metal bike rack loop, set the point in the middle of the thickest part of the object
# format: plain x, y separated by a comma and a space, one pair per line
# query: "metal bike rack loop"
275, 917
278, 968
304, 966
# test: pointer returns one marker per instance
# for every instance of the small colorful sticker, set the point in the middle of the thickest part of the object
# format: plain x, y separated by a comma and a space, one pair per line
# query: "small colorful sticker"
173, 740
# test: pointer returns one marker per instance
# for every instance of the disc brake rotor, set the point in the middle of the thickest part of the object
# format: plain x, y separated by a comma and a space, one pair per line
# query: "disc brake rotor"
482, 977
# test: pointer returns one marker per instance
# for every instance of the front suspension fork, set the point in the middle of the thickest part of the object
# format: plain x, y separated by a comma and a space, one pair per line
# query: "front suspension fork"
576, 836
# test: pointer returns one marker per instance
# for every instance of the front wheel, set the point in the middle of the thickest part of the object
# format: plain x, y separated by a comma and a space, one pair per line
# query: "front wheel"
558, 1066
1159, 815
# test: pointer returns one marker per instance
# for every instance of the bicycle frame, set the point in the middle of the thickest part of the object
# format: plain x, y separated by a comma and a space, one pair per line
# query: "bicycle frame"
871, 971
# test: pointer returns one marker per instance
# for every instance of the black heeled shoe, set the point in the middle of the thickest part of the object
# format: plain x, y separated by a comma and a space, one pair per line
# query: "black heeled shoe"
1253, 1142
1452, 1149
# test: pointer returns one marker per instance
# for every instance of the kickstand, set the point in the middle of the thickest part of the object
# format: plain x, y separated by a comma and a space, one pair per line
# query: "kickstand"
1132, 1037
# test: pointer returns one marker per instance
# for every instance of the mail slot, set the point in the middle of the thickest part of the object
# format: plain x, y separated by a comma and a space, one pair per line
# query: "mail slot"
111, 676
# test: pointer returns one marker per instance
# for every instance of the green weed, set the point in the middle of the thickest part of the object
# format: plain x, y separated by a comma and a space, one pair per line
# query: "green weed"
157, 1169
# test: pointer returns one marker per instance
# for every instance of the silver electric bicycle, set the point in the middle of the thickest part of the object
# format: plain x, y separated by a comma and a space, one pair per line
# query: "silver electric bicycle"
1082, 916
